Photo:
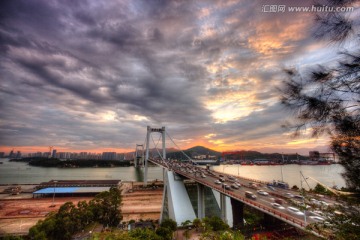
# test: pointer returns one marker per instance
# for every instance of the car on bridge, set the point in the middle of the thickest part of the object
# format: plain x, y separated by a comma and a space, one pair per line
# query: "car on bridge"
277, 206
237, 184
295, 211
249, 194
289, 195
217, 182
227, 187
231, 179
299, 197
261, 192
271, 188
254, 185
317, 218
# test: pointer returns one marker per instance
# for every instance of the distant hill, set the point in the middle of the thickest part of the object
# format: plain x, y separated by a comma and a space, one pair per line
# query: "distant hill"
192, 152
200, 150
174, 153
244, 155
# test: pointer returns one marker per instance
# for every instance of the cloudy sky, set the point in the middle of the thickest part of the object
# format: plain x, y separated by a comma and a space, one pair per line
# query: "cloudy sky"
91, 75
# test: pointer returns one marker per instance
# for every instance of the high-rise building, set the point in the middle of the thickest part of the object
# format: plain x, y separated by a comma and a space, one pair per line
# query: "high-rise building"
109, 156
18, 154
2, 154
11, 154
53, 155
83, 155
64, 155
38, 154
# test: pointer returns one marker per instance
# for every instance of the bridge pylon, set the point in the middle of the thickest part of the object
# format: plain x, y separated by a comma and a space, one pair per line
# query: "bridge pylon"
149, 131
139, 155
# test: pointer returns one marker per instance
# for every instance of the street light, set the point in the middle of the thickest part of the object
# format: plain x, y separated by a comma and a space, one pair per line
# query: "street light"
53, 203
302, 193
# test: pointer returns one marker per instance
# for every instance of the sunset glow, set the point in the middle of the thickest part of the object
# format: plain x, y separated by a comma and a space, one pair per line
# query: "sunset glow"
91, 77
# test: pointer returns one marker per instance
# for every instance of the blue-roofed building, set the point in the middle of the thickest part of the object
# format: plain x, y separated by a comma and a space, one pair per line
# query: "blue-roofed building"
74, 187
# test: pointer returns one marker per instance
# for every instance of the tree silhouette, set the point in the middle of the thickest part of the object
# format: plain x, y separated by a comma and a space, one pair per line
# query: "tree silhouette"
326, 99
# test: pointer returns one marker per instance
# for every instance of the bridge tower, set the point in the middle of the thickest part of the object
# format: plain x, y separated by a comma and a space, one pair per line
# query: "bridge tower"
139, 155
149, 131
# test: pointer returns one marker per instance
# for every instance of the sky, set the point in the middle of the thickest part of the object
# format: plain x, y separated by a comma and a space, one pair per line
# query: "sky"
91, 75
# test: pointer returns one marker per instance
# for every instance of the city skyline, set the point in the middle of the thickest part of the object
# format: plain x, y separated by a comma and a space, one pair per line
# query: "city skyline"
90, 76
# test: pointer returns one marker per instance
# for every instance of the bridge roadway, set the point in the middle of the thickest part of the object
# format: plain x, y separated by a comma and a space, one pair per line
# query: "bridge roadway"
262, 203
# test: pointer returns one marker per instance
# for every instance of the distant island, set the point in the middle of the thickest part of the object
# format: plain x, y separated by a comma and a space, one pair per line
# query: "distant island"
76, 163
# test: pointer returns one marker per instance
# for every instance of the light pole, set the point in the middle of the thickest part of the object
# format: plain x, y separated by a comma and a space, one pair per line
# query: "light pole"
302, 193
53, 203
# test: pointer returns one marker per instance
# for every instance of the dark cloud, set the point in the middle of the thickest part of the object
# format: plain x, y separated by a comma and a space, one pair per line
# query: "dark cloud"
91, 73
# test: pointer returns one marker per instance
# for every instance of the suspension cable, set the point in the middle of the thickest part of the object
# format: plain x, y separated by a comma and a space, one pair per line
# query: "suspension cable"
155, 145
162, 157
178, 147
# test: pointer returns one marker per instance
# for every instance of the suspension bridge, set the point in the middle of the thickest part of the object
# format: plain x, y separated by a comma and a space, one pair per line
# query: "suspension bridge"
223, 191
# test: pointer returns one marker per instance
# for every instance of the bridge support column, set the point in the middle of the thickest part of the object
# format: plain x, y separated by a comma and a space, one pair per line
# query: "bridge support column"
147, 154
238, 213
176, 201
201, 201
223, 207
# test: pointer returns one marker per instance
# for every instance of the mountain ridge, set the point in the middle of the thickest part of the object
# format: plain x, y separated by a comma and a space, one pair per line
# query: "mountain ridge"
238, 155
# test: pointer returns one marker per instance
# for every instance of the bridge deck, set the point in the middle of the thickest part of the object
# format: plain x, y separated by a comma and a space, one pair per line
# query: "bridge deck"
262, 203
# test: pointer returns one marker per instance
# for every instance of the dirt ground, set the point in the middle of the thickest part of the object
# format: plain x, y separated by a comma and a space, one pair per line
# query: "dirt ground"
19, 213
142, 204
